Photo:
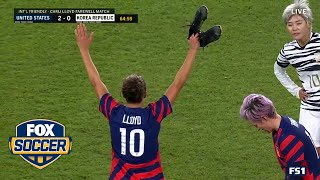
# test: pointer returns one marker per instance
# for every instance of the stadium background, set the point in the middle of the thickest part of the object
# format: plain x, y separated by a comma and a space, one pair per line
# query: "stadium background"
42, 76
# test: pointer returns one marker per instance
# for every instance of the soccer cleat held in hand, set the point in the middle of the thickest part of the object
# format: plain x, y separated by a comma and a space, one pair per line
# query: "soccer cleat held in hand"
199, 18
211, 35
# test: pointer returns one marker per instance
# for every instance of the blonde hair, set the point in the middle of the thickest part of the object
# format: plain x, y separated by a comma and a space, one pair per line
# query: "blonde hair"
300, 7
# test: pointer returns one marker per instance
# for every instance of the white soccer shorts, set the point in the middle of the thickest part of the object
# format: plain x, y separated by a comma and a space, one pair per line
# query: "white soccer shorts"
311, 121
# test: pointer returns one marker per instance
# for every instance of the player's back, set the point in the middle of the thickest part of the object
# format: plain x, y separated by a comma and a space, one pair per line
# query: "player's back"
295, 148
134, 136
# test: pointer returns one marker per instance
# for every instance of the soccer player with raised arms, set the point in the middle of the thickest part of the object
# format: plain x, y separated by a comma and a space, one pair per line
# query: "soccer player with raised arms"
292, 142
303, 53
135, 128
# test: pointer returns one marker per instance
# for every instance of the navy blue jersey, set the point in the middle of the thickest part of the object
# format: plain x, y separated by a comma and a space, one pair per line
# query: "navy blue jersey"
294, 148
134, 138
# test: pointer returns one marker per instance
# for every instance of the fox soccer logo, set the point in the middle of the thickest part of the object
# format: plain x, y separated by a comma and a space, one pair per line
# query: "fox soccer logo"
40, 142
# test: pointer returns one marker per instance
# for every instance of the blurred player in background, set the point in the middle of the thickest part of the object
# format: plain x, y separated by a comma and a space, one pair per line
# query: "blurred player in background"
134, 128
303, 53
292, 142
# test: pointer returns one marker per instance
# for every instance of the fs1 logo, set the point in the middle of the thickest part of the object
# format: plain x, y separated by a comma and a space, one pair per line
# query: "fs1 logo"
40, 142
299, 171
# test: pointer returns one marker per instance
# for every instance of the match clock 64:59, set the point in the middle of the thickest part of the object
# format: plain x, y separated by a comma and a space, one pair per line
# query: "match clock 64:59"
132, 18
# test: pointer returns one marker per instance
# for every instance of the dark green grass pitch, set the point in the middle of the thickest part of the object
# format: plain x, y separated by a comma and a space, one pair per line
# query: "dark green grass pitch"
42, 76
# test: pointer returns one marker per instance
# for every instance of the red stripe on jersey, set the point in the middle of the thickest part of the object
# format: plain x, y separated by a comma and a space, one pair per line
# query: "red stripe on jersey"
150, 174
161, 112
136, 166
308, 176
105, 106
301, 158
114, 163
134, 177
276, 136
168, 111
123, 171
113, 103
279, 132
287, 141
283, 165
293, 151
154, 109
277, 151
127, 166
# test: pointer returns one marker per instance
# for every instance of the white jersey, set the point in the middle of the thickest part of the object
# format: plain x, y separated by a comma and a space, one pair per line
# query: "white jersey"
306, 61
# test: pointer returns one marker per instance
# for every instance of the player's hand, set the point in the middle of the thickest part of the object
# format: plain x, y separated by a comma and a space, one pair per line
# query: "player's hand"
83, 38
303, 94
194, 41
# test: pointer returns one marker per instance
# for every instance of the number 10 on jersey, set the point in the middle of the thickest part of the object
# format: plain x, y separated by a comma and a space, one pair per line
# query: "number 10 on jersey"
132, 142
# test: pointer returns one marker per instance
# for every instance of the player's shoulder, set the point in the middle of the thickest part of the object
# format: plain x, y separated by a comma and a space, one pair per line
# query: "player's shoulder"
290, 125
316, 35
289, 45
295, 128
108, 101
315, 38
163, 99
108, 96
160, 106
293, 122
288, 48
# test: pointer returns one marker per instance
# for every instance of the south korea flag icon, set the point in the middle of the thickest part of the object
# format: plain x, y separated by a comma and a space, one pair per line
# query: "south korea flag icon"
40, 142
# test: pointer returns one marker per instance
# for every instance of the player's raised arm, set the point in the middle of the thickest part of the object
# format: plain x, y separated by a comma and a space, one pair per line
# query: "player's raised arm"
184, 71
84, 41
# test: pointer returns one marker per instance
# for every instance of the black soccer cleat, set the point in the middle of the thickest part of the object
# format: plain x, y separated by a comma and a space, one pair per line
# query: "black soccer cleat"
211, 35
199, 18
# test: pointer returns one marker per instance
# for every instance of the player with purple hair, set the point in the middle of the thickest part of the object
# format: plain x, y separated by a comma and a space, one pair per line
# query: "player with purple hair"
292, 142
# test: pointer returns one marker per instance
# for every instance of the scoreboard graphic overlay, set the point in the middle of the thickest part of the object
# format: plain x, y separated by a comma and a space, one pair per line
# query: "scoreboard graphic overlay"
99, 15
